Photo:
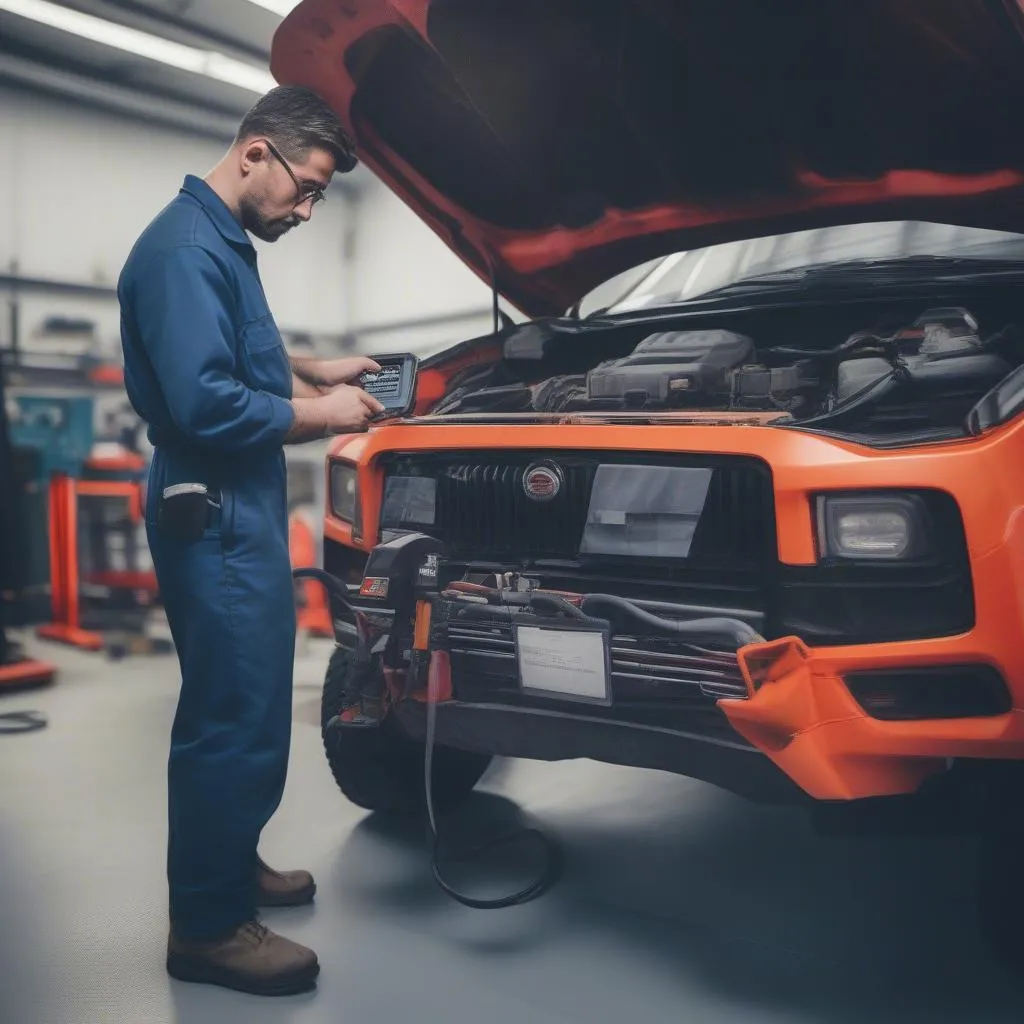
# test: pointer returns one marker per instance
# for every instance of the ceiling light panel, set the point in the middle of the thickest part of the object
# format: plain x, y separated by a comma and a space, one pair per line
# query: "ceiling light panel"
144, 44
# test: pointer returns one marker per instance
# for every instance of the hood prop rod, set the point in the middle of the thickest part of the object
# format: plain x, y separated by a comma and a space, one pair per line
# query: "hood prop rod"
494, 297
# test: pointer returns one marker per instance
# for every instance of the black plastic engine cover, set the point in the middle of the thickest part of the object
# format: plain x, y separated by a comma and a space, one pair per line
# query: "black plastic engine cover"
666, 367
926, 390
975, 372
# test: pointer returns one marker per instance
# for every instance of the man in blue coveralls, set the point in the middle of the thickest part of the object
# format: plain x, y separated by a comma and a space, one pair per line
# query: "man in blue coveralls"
206, 369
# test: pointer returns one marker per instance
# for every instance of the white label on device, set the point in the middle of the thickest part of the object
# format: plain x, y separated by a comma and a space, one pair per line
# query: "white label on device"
567, 663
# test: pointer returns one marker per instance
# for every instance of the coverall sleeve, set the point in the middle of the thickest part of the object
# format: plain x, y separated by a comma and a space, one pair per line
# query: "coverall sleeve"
183, 304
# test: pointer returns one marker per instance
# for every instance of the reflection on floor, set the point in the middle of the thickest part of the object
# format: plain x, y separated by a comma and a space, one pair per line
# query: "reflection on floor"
678, 902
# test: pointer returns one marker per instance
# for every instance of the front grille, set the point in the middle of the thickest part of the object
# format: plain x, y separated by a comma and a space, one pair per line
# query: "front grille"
482, 509
483, 512
655, 681
643, 670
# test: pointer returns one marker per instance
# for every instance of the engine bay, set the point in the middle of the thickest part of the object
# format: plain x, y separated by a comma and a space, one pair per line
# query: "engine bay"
893, 371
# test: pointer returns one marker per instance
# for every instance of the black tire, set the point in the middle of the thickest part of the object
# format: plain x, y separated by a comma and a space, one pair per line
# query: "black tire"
381, 769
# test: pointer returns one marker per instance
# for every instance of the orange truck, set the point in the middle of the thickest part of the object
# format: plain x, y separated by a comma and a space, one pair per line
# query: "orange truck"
739, 495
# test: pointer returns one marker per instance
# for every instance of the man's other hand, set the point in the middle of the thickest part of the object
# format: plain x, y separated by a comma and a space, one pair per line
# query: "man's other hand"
348, 408
345, 370
343, 409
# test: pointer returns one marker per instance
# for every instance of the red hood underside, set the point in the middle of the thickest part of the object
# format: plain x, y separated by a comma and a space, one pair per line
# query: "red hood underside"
555, 143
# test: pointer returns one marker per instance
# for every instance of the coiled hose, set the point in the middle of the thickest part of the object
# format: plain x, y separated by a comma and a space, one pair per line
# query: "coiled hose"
550, 852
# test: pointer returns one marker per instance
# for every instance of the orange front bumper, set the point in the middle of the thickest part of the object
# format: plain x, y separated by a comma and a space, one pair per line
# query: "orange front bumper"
801, 715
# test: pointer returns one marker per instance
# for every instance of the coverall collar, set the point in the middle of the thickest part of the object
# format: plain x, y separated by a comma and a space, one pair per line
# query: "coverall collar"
222, 217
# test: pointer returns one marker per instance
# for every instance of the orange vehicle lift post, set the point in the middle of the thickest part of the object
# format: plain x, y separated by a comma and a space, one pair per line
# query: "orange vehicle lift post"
313, 613
64, 493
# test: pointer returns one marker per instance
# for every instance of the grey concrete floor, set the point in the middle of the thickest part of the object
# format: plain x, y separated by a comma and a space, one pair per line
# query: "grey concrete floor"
678, 902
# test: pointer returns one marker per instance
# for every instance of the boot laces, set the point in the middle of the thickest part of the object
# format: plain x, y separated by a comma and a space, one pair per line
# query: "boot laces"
256, 931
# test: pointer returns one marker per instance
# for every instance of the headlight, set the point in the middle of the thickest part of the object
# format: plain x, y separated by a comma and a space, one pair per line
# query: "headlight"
870, 527
409, 501
345, 492
646, 511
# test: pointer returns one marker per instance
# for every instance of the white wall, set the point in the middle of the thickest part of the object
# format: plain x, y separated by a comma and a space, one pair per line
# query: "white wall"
77, 186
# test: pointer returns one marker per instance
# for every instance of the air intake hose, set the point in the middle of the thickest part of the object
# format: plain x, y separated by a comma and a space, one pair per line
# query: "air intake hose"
711, 630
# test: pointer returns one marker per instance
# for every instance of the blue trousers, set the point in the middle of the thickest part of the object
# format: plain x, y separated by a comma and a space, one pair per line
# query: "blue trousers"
230, 604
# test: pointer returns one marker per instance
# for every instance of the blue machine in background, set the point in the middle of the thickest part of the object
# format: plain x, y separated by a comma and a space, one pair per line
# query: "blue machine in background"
49, 434
83, 492
16, 669
59, 428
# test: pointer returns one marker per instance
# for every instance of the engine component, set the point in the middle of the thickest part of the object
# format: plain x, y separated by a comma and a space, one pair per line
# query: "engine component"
945, 332
916, 390
904, 373
667, 367
758, 387
472, 398
940, 352
975, 371
855, 375
970, 371
559, 393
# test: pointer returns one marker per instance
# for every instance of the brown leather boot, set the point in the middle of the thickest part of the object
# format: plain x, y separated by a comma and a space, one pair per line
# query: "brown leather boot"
283, 888
252, 959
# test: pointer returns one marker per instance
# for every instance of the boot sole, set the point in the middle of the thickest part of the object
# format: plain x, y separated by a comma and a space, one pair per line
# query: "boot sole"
295, 899
184, 969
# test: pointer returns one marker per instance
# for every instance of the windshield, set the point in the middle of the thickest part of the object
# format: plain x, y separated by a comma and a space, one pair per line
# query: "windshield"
688, 275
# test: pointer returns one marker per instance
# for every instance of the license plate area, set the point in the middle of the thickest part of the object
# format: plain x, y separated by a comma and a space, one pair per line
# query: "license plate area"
564, 662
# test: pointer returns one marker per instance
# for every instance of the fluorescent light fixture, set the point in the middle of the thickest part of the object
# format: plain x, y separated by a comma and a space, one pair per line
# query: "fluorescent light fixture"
143, 44
124, 101
282, 7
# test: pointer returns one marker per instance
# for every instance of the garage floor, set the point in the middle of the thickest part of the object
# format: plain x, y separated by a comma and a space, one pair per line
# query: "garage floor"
678, 903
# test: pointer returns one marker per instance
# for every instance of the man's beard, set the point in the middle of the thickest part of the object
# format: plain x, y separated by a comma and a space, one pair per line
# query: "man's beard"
264, 228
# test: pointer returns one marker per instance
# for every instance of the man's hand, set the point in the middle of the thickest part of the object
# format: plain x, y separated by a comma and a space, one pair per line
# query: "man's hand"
314, 377
332, 372
348, 408
344, 409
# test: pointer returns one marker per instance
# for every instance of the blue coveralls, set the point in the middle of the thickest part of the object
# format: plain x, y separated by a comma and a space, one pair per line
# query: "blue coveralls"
206, 369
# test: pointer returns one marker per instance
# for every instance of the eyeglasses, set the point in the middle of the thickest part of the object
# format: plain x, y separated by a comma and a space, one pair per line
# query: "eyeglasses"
306, 191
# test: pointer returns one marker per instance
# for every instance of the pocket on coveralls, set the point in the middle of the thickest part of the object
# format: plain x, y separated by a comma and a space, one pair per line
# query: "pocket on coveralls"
169, 469
263, 353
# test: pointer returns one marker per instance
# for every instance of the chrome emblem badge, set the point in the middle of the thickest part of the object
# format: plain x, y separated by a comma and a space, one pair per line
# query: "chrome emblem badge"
542, 481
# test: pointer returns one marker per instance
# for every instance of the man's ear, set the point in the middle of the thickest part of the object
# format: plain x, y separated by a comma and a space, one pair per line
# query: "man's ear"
252, 153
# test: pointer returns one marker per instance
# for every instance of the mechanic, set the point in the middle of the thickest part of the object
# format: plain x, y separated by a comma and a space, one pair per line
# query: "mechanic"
206, 369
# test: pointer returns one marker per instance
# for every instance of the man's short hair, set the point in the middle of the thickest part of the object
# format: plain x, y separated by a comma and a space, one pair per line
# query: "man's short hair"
296, 120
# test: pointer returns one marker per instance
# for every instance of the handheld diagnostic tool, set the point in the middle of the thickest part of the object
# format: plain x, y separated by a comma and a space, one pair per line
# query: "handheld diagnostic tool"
394, 386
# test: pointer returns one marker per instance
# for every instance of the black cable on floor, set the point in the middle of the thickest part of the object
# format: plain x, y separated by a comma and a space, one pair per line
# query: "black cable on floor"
552, 859
13, 722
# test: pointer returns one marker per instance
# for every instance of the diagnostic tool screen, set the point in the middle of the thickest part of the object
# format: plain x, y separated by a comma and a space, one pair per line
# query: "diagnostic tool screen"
385, 384
394, 385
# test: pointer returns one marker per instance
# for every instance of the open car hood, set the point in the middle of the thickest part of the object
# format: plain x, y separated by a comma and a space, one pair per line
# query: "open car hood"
555, 143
